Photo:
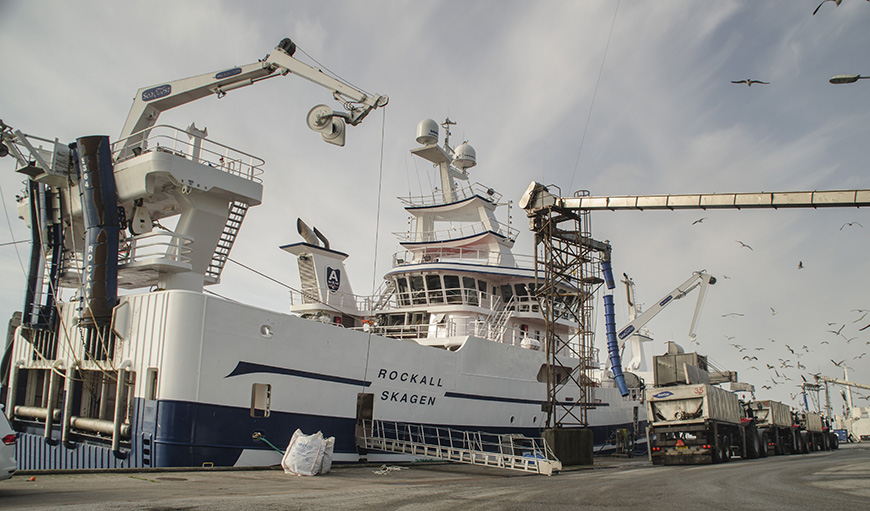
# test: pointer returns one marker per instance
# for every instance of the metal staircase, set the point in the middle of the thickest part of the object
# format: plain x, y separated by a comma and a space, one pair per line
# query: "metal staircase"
496, 322
387, 292
512, 452
235, 216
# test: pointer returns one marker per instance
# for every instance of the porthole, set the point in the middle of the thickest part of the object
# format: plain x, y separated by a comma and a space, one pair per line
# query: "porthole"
266, 331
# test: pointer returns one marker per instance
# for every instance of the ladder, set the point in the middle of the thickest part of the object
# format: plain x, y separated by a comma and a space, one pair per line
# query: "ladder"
511, 452
387, 292
497, 320
235, 215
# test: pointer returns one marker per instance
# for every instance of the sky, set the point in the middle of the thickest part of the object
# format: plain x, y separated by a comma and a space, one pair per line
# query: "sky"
624, 97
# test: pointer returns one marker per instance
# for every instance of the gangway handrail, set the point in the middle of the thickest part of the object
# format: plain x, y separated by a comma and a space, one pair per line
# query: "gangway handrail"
512, 452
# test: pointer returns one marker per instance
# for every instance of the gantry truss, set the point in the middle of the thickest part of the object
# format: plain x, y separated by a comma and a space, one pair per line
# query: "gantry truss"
567, 275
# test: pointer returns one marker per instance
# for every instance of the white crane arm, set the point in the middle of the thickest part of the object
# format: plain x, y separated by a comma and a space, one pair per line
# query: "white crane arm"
698, 279
151, 101
843, 382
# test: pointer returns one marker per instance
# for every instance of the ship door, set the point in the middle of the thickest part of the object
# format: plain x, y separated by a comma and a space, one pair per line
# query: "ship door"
365, 412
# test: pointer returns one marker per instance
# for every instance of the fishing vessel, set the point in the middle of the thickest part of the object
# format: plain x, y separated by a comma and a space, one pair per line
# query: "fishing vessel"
168, 375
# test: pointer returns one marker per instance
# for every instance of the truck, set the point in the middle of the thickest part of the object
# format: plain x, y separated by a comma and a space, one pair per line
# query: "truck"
813, 432
775, 424
691, 424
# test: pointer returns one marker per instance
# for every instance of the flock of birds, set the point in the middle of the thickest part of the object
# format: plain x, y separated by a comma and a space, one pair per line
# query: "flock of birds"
784, 365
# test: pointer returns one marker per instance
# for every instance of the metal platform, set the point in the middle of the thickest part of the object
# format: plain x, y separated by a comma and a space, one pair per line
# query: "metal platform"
511, 452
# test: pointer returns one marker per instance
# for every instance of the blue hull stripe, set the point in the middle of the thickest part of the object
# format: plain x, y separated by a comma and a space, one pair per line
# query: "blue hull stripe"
251, 368
461, 395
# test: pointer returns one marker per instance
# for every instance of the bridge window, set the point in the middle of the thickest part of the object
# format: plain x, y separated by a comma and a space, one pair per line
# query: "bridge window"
418, 291
470, 291
452, 289
404, 298
433, 284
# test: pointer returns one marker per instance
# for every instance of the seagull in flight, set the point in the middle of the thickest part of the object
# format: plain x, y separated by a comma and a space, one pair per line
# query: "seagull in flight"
850, 224
865, 328
772, 311
698, 221
735, 314
743, 244
838, 2
838, 330
800, 265
749, 82
838, 364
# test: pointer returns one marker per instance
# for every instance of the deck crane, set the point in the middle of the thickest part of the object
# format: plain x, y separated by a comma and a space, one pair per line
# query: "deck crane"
561, 227
836, 381
152, 100
699, 279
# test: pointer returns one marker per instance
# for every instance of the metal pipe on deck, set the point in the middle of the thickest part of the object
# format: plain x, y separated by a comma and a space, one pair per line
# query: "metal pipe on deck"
101, 426
104, 398
12, 390
50, 403
68, 402
35, 412
120, 405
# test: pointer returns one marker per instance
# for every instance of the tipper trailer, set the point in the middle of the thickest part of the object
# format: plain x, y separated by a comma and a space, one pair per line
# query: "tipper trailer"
775, 425
698, 423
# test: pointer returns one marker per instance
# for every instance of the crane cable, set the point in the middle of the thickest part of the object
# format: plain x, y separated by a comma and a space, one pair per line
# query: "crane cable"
594, 94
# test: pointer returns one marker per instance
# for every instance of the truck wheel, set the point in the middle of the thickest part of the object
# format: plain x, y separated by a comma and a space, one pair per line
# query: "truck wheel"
835, 441
762, 449
725, 447
753, 445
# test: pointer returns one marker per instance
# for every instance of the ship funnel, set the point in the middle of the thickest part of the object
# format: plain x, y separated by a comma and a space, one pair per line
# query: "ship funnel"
307, 233
427, 132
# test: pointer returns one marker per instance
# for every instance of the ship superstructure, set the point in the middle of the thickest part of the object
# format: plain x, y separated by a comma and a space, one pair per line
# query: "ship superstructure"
168, 375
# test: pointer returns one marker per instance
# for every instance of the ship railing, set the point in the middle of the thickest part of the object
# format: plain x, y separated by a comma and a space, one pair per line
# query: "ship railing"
463, 255
507, 451
343, 301
460, 193
156, 247
188, 145
464, 230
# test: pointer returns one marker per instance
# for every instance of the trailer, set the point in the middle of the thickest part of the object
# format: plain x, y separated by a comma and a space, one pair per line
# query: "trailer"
814, 432
775, 425
696, 424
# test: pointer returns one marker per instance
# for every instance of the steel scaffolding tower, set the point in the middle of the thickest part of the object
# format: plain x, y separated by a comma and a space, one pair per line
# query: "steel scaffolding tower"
567, 275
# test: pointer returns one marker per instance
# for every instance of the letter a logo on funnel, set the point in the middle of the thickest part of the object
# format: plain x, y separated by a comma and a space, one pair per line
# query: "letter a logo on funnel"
333, 278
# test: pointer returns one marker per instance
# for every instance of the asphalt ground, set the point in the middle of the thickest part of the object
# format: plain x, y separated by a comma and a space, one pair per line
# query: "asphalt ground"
825, 480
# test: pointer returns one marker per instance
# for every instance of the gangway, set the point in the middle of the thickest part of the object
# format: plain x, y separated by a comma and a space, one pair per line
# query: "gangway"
511, 452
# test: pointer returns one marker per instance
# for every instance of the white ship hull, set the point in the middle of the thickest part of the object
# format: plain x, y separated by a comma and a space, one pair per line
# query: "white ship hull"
210, 353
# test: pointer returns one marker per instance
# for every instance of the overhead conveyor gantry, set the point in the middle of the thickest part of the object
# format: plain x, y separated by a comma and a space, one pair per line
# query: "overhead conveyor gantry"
566, 257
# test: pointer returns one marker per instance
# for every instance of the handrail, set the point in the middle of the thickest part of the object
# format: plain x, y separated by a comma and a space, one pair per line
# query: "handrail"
187, 145
458, 232
156, 245
463, 255
459, 194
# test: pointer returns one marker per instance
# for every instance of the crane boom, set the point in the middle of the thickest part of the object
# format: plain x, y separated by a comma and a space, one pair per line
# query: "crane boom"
846, 383
698, 279
151, 101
